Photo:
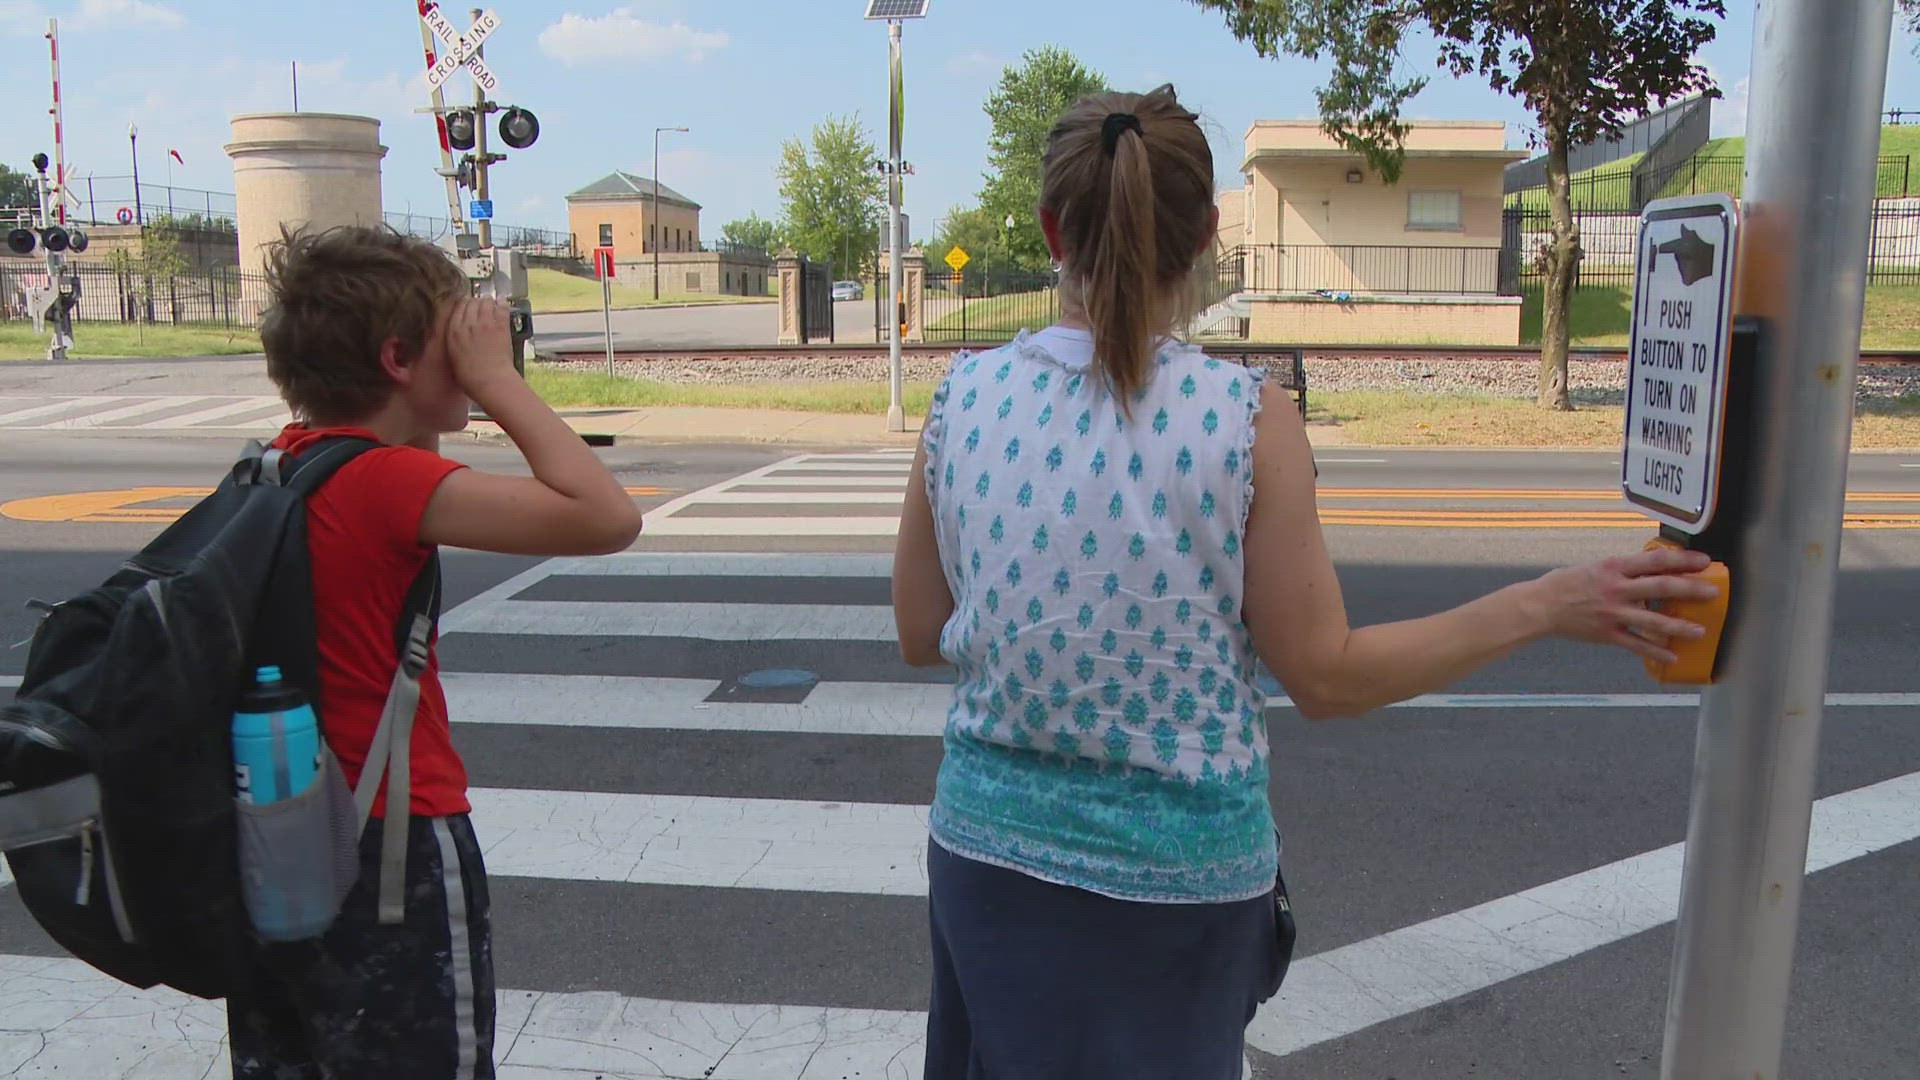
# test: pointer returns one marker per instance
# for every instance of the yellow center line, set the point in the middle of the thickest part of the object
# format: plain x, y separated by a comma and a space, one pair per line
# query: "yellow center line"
124, 506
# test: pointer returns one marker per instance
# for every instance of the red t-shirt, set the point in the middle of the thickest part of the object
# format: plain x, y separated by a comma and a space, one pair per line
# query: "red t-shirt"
363, 536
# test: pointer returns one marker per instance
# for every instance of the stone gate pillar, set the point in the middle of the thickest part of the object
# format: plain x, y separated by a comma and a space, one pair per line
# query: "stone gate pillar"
787, 267
914, 292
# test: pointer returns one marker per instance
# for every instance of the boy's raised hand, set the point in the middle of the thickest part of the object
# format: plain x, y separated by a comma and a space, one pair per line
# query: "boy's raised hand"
479, 341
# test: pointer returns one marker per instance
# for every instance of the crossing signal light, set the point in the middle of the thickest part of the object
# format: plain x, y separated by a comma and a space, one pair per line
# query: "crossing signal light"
54, 237
76, 241
519, 128
460, 129
21, 241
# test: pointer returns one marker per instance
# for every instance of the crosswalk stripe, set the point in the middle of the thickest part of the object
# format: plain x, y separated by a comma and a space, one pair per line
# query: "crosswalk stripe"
771, 526
50, 409
861, 482
717, 622
1337, 993
69, 1020
704, 841
661, 704
877, 468
108, 416
231, 410
799, 498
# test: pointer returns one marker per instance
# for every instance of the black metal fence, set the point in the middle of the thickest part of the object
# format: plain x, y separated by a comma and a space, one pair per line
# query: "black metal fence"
1639, 137
1361, 269
1628, 190
221, 295
816, 301
988, 305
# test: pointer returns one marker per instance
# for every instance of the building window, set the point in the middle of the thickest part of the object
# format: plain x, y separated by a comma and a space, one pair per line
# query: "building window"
652, 237
1433, 210
606, 235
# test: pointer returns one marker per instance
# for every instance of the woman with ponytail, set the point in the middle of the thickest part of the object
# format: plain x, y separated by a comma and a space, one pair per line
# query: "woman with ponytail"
1106, 532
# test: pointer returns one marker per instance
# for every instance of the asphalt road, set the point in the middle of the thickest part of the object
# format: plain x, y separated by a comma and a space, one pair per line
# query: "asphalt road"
607, 719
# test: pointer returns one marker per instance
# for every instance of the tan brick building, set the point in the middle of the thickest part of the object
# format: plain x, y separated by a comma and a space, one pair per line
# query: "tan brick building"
617, 211
1331, 251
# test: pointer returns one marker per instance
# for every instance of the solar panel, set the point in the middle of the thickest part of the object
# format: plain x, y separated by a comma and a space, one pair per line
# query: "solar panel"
897, 9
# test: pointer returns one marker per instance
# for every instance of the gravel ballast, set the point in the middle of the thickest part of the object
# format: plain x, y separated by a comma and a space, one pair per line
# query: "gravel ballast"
1594, 382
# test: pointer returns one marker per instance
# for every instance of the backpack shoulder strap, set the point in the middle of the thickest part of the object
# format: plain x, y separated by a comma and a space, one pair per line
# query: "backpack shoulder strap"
390, 755
303, 473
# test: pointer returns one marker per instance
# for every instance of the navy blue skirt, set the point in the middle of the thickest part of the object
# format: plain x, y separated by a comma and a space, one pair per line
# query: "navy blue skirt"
1037, 980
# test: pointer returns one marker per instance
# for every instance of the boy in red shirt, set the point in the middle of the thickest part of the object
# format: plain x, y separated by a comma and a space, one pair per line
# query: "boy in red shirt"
375, 335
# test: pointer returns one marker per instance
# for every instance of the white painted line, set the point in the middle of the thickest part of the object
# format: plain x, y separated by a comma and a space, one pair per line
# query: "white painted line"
797, 498
56, 407
704, 841
1334, 994
696, 564
8, 682
243, 406
772, 526
125, 412
1351, 461
69, 1020
876, 482
716, 622
635, 703
877, 468
1620, 701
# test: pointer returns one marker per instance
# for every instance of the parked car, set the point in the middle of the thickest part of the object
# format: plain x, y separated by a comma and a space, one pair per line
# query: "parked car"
848, 290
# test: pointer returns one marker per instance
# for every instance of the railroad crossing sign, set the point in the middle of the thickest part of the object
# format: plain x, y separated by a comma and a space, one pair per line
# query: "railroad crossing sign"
1682, 336
958, 258
463, 50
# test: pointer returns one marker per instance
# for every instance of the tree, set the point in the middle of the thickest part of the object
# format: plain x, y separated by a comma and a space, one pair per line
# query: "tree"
1030, 98
830, 197
751, 231
1584, 69
1910, 17
16, 188
974, 230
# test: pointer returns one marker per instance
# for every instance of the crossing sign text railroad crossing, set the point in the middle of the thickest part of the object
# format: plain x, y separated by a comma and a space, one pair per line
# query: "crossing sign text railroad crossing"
463, 50
1677, 367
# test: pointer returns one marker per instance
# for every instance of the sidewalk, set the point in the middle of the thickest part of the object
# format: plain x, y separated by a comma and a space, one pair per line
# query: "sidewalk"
695, 425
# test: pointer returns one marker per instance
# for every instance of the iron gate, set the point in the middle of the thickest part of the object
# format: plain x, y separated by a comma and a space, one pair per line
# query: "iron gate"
816, 301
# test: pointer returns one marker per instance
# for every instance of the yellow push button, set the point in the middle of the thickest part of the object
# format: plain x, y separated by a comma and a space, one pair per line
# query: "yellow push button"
1694, 658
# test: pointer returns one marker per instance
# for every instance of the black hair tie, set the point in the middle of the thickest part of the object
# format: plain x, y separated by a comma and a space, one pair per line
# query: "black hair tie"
1117, 124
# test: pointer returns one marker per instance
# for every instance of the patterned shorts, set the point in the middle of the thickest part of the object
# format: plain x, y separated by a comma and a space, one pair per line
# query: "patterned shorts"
372, 1002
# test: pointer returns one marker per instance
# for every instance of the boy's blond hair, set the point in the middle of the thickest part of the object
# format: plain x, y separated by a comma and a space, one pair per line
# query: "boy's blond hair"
335, 297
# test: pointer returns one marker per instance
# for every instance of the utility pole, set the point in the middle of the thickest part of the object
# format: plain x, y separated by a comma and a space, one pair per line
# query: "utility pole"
481, 159
133, 143
896, 284
1813, 132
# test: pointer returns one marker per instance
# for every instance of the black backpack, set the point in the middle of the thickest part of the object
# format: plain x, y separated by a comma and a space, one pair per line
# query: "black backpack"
117, 809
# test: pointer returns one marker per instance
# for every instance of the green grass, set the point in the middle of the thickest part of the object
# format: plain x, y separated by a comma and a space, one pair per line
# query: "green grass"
576, 389
1003, 314
1603, 315
553, 291
101, 340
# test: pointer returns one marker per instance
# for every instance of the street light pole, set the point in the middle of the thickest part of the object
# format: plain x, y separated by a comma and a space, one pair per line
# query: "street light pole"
133, 144
1813, 133
896, 407
656, 233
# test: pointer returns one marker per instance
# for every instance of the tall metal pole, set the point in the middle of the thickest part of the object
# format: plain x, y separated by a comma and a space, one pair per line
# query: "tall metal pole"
481, 189
896, 409
653, 219
1813, 133
133, 143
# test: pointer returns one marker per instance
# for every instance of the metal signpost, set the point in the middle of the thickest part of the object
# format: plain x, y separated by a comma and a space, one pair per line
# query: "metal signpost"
603, 264
1813, 134
894, 12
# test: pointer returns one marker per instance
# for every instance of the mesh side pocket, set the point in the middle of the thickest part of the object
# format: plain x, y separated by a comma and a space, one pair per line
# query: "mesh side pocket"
299, 857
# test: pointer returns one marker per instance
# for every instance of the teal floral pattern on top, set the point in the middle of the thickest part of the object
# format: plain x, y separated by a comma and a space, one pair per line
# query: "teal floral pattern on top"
1107, 730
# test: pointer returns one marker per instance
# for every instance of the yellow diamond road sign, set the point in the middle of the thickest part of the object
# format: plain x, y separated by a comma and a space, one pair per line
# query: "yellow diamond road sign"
958, 258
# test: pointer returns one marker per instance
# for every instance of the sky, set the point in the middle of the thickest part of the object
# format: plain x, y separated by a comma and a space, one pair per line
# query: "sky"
602, 74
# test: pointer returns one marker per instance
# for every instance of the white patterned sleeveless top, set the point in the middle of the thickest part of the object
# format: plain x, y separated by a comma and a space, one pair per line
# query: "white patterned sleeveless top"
1107, 730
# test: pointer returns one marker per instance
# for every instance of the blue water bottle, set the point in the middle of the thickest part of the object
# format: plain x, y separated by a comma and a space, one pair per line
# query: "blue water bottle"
276, 742
286, 860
